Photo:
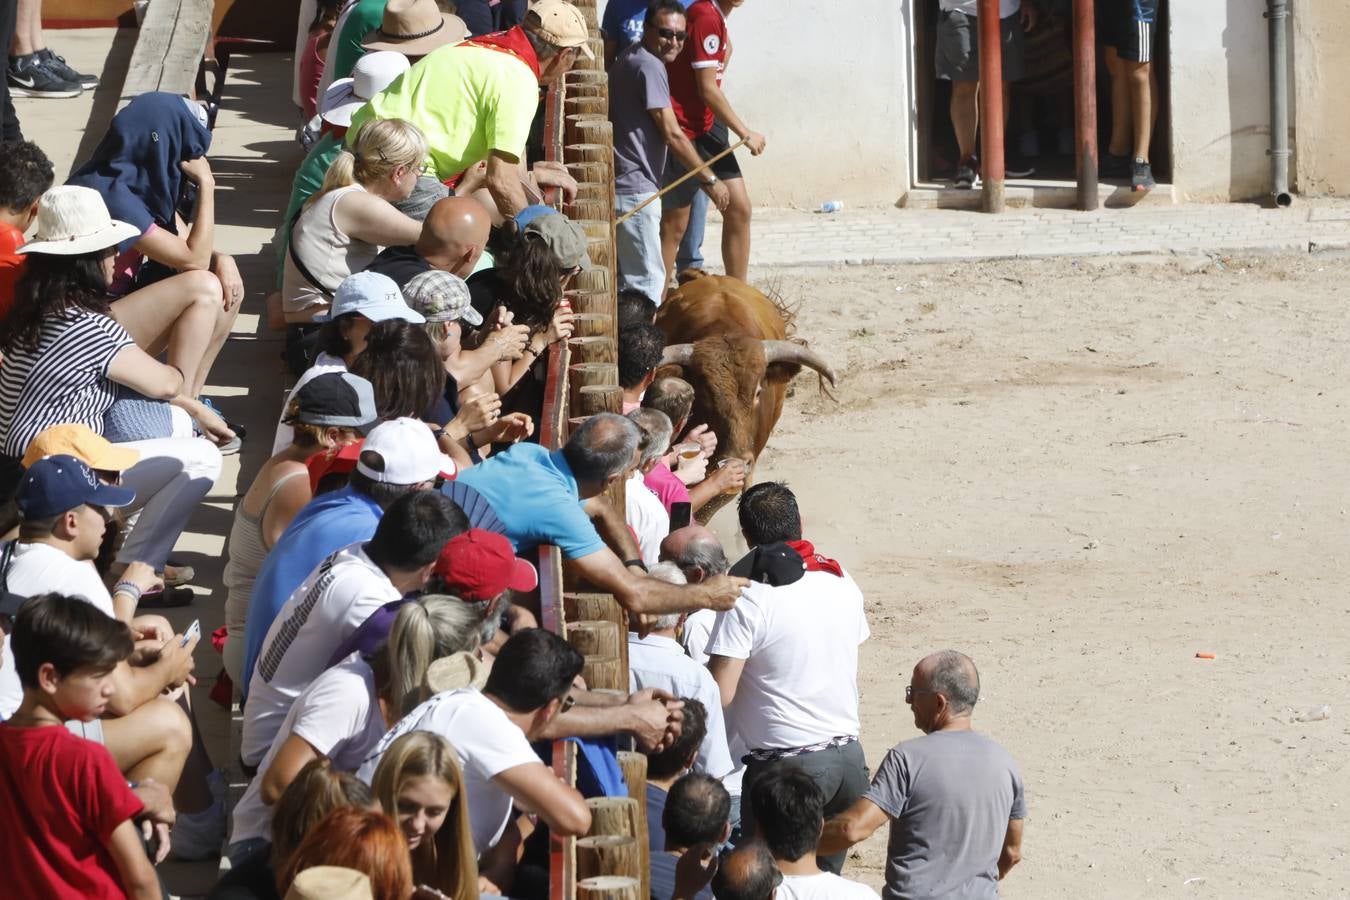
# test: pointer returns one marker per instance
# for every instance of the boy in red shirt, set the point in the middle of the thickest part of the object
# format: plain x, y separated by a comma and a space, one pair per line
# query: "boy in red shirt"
65, 810
25, 175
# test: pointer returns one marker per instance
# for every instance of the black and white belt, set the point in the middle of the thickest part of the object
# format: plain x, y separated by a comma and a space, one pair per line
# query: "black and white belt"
774, 755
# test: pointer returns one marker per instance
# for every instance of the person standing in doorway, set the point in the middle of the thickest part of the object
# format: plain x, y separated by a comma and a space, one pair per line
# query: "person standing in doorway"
1128, 32
958, 61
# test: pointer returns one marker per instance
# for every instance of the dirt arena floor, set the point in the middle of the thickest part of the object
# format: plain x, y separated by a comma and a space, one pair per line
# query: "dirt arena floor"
1082, 473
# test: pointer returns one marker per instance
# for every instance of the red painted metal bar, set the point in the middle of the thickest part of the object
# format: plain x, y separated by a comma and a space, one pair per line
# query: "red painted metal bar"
1085, 101
991, 104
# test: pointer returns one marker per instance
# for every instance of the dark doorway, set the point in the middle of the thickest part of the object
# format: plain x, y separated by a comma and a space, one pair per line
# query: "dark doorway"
1041, 121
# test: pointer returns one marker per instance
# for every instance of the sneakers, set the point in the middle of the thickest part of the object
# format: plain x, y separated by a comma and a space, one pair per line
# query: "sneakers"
1141, 176
201, 835
1115, 166
1018, 167
57, 66
30, 76
967, 173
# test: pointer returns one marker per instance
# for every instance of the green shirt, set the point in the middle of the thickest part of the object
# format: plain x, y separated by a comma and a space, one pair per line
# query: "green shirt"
467, 100
308, 180
346, 50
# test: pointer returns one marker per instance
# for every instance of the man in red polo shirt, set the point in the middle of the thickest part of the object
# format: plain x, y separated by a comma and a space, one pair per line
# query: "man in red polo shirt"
706, 115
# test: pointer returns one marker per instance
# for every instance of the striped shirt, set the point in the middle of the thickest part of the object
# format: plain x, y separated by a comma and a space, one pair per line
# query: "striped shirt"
64, 381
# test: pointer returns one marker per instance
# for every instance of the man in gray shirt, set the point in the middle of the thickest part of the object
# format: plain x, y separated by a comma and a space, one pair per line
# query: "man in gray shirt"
953, 797
644, 129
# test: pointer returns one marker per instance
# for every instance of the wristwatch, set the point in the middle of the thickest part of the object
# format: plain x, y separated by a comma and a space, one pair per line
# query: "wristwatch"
712, 179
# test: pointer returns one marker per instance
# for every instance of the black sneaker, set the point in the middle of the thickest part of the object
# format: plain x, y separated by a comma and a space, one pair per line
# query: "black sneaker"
1115, 166
967, 174
1141, 177
1018, 167
58, 67
28, 77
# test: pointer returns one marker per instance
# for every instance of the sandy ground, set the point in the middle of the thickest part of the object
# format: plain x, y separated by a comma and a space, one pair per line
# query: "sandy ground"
1081, 474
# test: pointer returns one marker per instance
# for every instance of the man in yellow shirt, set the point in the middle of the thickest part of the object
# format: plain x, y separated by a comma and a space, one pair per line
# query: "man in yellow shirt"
475, 101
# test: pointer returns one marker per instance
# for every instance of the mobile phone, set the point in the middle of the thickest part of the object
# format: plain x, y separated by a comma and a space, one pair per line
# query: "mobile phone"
194, 631
680, 515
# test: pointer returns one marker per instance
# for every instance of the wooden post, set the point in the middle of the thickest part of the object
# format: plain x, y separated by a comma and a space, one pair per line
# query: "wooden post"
608, 855
613, 815
593, 325
991, 105
592, 280
582, 375
604, 672
573, 122
593, 607
586, 171
610, 888
1085, 101
581, 210
595, 638
600, 303
587, 103
634, 767
594, 349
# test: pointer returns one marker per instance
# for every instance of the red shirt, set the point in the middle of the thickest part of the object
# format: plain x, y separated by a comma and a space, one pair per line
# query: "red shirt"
61, 798
705, 47
11, 265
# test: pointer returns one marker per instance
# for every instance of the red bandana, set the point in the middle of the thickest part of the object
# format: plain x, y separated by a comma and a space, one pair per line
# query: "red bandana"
512, 41
814, 561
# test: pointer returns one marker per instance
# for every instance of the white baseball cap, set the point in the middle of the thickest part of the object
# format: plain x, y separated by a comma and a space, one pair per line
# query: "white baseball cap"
372, 73
374, 296
409, 453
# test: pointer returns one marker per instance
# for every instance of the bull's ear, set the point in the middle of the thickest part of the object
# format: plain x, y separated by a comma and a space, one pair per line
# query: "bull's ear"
668, 372
781, 372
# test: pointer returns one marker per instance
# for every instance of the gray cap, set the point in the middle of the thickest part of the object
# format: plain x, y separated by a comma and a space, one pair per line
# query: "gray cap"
337, 400
564, 238
441, 297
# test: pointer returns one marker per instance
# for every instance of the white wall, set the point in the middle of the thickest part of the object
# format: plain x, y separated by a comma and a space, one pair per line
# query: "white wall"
1321, 51
826, 85
1220, 99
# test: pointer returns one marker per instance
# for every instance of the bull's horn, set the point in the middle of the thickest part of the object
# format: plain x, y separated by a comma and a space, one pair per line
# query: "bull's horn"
787, 351
677, 355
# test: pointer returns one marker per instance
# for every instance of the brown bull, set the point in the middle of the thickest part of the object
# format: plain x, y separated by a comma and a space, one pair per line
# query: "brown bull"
730, 342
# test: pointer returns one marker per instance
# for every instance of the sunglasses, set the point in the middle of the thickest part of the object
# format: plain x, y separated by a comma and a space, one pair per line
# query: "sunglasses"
671, 34
910, 691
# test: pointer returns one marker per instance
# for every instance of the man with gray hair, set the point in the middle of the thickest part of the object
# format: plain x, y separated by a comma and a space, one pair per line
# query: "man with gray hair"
645, 512
953, 797
554, 497
700, 556
656, 660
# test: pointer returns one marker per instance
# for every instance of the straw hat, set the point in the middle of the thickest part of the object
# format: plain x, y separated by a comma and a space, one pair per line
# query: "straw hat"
415, 28
372, 73
330, 883
450, 673
73, 220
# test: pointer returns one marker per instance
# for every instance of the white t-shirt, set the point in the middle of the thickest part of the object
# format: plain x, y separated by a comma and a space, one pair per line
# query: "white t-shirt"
323, 363
324, 611
647, 517
657, 661
339, 716
698, 626
42, 569
800, 643
486, 743
825, 886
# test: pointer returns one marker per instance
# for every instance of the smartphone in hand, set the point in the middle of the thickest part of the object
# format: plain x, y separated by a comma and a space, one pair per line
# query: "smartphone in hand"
194, 631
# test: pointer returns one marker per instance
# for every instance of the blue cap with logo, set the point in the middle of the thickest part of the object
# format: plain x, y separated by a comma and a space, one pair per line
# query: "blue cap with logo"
58, 484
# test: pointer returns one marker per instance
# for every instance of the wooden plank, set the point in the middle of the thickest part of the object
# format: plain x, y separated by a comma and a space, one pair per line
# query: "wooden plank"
169, 50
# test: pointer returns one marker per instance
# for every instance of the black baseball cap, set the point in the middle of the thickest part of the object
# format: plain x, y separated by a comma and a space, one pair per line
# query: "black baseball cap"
338, 400
772, 564
56, 484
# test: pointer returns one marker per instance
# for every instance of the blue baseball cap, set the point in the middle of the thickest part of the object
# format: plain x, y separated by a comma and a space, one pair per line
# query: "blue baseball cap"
530, 213
57, 484
374, 296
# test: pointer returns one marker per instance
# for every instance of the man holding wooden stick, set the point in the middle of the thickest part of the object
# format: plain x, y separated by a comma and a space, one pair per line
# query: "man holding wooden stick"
706, 115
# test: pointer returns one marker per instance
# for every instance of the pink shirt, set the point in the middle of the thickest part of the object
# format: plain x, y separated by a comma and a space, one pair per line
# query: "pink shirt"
666, 486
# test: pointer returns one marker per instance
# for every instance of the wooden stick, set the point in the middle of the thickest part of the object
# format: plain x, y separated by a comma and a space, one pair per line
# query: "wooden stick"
679, 181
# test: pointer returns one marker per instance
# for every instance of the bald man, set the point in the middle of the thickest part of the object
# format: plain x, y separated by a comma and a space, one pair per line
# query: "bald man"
953, 797
699, 555
452, 239
749, 873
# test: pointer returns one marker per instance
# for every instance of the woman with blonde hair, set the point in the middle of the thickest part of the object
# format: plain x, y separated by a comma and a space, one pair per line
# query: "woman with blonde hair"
419, 783
343, 714
341, 228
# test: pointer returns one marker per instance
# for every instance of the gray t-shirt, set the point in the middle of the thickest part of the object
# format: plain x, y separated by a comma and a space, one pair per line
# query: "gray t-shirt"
637, 82
950, 795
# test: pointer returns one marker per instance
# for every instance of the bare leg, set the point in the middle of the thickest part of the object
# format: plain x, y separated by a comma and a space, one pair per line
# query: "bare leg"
965, 110
152, 741
673, 224
736, 230
1142, 88
181, 314
224, 324
193, 794
1122, 118
28, 29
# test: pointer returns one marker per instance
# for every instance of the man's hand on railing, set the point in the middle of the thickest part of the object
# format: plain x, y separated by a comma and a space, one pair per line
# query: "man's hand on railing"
657, 719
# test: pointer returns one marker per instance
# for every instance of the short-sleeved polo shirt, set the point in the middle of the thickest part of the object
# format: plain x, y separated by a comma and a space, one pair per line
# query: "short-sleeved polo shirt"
705, 47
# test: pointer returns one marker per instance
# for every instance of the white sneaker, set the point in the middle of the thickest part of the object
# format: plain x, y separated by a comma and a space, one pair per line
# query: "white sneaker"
201, 835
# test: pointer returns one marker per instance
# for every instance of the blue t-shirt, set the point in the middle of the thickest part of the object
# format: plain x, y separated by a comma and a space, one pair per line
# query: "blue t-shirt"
327, 523
536, 497
623, 20
663, 877
656, 809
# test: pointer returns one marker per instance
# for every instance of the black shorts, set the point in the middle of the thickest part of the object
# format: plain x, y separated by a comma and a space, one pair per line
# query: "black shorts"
708, 145
1131, 27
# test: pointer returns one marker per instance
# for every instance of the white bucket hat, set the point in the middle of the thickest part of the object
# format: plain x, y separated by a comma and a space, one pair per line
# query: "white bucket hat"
372, 73
72, 220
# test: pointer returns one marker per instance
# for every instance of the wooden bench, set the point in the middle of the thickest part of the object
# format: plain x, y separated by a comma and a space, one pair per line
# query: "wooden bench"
173, 54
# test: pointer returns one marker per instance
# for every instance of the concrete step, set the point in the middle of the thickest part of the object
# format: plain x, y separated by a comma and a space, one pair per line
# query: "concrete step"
1027, 193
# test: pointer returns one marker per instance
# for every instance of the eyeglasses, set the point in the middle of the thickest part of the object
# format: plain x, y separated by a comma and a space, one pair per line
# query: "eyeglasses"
671, 34
910, 691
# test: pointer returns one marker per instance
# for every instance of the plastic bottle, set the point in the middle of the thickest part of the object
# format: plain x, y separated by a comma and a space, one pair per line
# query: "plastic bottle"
831, 206
1316, 714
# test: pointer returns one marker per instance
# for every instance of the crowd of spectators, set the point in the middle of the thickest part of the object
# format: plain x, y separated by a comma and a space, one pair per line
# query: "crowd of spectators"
380, 626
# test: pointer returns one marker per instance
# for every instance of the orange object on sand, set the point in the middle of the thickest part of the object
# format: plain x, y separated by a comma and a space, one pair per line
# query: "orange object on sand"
1203, 655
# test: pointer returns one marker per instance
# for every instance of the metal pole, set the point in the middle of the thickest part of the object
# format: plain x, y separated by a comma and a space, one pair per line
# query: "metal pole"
1277, 12
991, 105
1085, 101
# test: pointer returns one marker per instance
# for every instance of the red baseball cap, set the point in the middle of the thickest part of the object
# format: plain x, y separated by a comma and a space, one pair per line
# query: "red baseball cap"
479, 565
332, 462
